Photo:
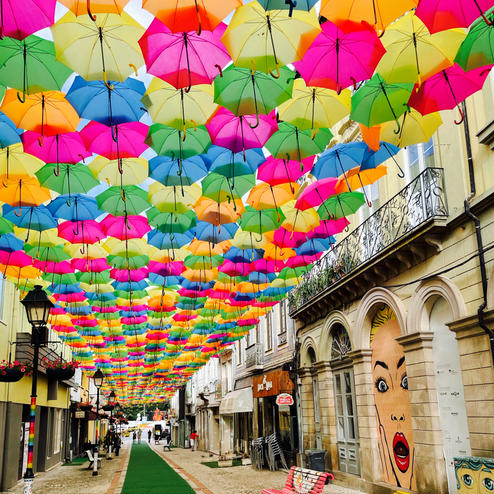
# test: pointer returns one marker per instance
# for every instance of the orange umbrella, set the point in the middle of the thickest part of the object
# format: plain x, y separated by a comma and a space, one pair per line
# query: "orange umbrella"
22, 190
371, 135
266, 196
81, 7
200, 275
47, 113
14, 273
218, 213
356, 179
202, 248
378, 13
191, 15
274, 253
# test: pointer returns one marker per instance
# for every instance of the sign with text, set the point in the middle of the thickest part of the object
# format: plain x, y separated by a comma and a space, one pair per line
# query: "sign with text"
272, 384
79, 414
284, 399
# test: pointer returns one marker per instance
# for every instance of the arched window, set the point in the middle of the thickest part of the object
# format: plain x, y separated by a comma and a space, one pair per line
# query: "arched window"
340, 343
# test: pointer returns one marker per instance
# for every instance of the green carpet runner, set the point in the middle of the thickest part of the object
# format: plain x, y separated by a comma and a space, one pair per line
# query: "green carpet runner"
147, 473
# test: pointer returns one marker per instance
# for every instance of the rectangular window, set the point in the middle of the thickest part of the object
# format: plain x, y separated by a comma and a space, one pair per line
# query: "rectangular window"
417, 158
239, 352
57, 430
283, 316
269, 332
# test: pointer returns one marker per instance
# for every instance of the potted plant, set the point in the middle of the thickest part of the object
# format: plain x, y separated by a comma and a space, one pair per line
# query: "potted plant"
11, 372
59, 369
86, 406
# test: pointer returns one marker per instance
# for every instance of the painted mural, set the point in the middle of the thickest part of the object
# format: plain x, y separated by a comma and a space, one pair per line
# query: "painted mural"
474, 475
394, 422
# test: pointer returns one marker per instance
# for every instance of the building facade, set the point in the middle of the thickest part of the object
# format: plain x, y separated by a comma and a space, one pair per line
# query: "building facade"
395, 322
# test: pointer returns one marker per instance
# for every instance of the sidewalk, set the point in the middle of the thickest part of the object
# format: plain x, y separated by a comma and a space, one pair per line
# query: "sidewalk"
77, 479
238, 480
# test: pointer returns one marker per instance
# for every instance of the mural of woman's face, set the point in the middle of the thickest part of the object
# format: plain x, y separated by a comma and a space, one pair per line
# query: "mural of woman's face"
393, 407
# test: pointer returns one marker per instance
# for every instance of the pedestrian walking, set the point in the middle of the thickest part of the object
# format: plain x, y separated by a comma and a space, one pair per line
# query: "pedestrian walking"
139, 435
117, 444
149, 435
194, 437
134, 436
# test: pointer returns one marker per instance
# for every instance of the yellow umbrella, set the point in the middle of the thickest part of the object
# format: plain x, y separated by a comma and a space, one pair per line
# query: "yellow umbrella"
297, 220
178, 108
413, 54
46, 238
314, 107
414, 128
83, 251
248, 240
106, 48
173, 199
125, 171
266, 40
13, 160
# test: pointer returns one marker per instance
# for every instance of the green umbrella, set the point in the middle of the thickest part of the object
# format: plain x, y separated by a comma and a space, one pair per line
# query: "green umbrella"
171, 222
247, 92
134, 262
289, 273
221, 188
30, 65
203, 262
125, 200
5, 226
67, 178
477, 48
378, 102
61, 279
341, 205
168, 141
261, 221
46, 254
91, 278
289, 142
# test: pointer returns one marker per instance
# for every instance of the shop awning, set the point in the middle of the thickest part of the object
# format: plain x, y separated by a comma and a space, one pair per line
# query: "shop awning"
238, 401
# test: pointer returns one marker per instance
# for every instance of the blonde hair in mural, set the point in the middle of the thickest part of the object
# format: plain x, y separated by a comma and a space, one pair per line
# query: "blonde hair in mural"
394, 423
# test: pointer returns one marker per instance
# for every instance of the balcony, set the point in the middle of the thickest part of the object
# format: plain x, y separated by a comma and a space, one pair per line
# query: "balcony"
254, 356
404, 231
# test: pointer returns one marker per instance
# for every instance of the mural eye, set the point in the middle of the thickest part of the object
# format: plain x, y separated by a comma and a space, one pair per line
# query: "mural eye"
488, 484
467, 480
404, 382
381, 385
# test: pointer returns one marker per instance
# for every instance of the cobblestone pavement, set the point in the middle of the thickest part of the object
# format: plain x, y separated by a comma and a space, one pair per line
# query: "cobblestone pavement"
77, 479
238, 480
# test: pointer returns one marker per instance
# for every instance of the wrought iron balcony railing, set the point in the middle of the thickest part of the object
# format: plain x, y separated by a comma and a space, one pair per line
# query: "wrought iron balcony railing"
420, 201
254, 356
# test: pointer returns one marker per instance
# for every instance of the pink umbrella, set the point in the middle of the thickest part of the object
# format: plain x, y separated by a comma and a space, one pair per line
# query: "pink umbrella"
298, 261
15, 258
267, 266
439, 15
61, 148
90, 265
284, 238
241, 133
123, 275
20, 18
166, 269
235, 268
184, 59
81, 232
338, 59
327, 228
63, 267
278, 171
125, 227
447, 89
124, 141
70, 297
316, 193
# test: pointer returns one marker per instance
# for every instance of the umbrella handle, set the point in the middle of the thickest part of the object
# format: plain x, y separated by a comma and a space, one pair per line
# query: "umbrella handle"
134, 67
313, 133
487, 21
194, 124
40, 141
18, 213
219, 69
56, 171
354, 82
107, 84
23, 99
257, 122
185, 133
114, 135
89, 13
339, 88
119, 165
82, 158
398, 130
462, 116
277, 76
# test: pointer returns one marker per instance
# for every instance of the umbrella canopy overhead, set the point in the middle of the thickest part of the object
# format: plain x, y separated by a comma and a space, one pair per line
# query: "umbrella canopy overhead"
168, 172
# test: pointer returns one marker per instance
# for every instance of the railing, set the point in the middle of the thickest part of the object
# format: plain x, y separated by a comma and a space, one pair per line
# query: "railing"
421, 200
254, 356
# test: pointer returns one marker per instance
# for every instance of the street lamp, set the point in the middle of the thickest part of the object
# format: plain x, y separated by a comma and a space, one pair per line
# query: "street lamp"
37, 305
98, 378
112, 399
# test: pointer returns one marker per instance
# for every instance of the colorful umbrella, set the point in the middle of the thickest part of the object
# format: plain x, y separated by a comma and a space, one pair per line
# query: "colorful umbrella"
20, 19
67, 178
60, 148
90, 7
22, 190
341, 205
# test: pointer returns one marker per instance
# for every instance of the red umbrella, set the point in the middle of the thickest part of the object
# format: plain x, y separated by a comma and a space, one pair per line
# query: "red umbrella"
184, 59
20, 18
447, 89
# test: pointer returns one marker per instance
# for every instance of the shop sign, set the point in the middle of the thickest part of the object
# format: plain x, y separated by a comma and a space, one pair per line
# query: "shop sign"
284, 399
272, 384
79, 414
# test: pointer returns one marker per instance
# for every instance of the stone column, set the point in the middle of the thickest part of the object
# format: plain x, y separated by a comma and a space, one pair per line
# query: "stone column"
478, 381
328, 417
370, 466
307, 407
430, 467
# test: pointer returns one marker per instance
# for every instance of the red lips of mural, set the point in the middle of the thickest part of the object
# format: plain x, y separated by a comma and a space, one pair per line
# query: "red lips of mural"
401, 451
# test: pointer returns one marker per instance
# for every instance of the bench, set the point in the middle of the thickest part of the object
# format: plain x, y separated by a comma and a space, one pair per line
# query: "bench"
302, 481
90, 457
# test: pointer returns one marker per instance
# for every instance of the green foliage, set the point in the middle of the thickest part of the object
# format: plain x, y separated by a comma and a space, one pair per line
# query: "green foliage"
132, 411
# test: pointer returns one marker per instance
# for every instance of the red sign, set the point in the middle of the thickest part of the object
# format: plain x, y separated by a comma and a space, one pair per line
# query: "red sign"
284, 399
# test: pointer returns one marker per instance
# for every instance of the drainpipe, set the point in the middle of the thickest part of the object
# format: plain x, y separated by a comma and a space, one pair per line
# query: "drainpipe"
478, 233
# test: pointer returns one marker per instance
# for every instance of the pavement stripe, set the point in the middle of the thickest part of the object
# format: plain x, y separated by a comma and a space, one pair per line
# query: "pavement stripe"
119, 477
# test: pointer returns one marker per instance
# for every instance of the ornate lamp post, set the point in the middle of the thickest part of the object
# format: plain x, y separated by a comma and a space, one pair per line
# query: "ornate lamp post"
98, 378
37, 305
112, 399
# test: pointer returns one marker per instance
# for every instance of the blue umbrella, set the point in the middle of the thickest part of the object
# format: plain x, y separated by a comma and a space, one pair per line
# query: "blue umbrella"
170, 171
159, 280
168, 240
10, 243
32, 218
314, 246
259, 278
95, 101
80, 208
210, 233
290, 5
375, 158
339, 159
230, 164
235, 254
196, 285
9, 133
128, 287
